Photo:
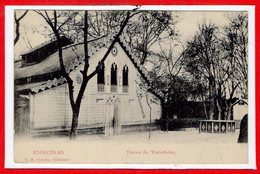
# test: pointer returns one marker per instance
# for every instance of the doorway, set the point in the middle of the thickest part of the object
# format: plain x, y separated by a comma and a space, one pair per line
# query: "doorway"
112, 116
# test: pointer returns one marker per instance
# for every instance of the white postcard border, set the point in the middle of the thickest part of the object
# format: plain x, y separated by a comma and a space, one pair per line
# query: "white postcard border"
9, 88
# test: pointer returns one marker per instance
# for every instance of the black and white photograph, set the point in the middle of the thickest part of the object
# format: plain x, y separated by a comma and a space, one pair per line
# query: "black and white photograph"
131, 86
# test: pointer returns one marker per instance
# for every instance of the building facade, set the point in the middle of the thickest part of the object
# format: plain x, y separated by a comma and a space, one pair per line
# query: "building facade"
113, 97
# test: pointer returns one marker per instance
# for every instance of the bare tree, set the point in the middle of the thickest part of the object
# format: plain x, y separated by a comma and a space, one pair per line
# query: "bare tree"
165, 81
17, 21
221, 62
235, 49
236, 45
151, 28
200, 57
56, 27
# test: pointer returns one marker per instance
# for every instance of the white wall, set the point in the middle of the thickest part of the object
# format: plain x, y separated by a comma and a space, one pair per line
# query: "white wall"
239, 111
49, 108
52, 107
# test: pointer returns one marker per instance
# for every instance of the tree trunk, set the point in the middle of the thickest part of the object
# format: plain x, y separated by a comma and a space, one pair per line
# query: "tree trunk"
219, 109
17, 32
167, 120
211, 98
74, 125
204, 107
150, 128
164, 117
229, 110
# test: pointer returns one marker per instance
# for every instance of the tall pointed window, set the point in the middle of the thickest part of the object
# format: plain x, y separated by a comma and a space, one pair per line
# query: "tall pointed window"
125, 79
113, 77
101, 77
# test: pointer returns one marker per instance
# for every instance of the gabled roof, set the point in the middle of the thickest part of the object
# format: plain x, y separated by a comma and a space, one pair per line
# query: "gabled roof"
241, 102
38, 47
71, 55
49, 69
140, 68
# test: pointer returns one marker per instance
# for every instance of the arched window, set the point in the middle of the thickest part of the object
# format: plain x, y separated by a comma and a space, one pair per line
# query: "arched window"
113, 77
101, 77
125, 79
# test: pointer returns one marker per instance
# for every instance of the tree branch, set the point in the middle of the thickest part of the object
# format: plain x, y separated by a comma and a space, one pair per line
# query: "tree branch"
17, 22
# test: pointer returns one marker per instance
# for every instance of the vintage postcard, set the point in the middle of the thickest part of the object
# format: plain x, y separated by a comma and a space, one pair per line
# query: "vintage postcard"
130, 87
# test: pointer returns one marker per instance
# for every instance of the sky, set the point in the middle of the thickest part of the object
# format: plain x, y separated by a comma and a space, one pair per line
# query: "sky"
189, 21
32, 25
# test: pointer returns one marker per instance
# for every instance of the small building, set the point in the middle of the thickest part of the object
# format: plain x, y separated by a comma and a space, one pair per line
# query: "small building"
41, 93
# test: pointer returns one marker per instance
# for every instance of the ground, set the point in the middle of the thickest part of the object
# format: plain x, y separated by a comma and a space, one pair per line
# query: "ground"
173, 147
